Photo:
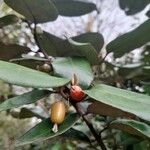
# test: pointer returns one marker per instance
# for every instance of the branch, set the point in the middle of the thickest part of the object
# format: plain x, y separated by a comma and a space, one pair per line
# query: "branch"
89, 124
38, 43
103, 59
105, 128
36, 38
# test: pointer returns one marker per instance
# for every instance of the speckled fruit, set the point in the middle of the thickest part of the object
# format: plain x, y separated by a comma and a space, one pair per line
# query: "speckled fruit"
57, 112
76, 93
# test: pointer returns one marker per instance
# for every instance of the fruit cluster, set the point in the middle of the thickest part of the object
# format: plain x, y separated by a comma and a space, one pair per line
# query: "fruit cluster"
58, 110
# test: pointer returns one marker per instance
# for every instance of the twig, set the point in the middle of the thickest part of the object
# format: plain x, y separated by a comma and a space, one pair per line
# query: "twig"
103, 59
105, 128
65, 96
38, 43
36, 38
89, 124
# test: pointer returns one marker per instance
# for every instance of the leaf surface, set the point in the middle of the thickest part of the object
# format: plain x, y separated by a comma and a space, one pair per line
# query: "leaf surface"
24, 99
131, 40
43, 130
34, 10
73, 8
130, 102
67, 67
22, 76
10, 51
132, 127
8, 20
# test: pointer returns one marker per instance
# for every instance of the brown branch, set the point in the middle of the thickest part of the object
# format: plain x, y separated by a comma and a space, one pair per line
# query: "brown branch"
103, 59
97, 137
36, 39
105, 128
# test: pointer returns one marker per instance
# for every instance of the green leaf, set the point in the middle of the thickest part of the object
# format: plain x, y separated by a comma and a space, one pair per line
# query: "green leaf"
132, 7
132, 127
43, 130
94, 38
19, 75
53, 45
39, 10
10, 51
58, 47
84, 49
76, 134
134, 103
67, 67
73, 7
131, 40
7, 20
23, 99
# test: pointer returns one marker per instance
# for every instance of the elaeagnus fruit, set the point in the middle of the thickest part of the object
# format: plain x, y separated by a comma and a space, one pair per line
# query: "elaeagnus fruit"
57, 114
45, 68
76, 93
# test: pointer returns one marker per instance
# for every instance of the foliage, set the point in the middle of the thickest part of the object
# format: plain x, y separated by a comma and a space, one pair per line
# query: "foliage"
70, 61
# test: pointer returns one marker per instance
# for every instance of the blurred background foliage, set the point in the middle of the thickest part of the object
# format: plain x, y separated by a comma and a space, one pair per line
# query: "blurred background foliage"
131, 71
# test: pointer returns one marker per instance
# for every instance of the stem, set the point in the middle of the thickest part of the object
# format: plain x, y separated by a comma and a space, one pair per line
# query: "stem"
55, 128
38, 43
103, 59
103, 130
36, 39
89, 124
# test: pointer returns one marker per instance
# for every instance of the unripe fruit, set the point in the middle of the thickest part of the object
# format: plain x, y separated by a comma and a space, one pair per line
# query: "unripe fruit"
76, 93
57, 114
44, 68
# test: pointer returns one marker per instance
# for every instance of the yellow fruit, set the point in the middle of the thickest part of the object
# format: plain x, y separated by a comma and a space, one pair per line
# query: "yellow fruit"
57, 112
